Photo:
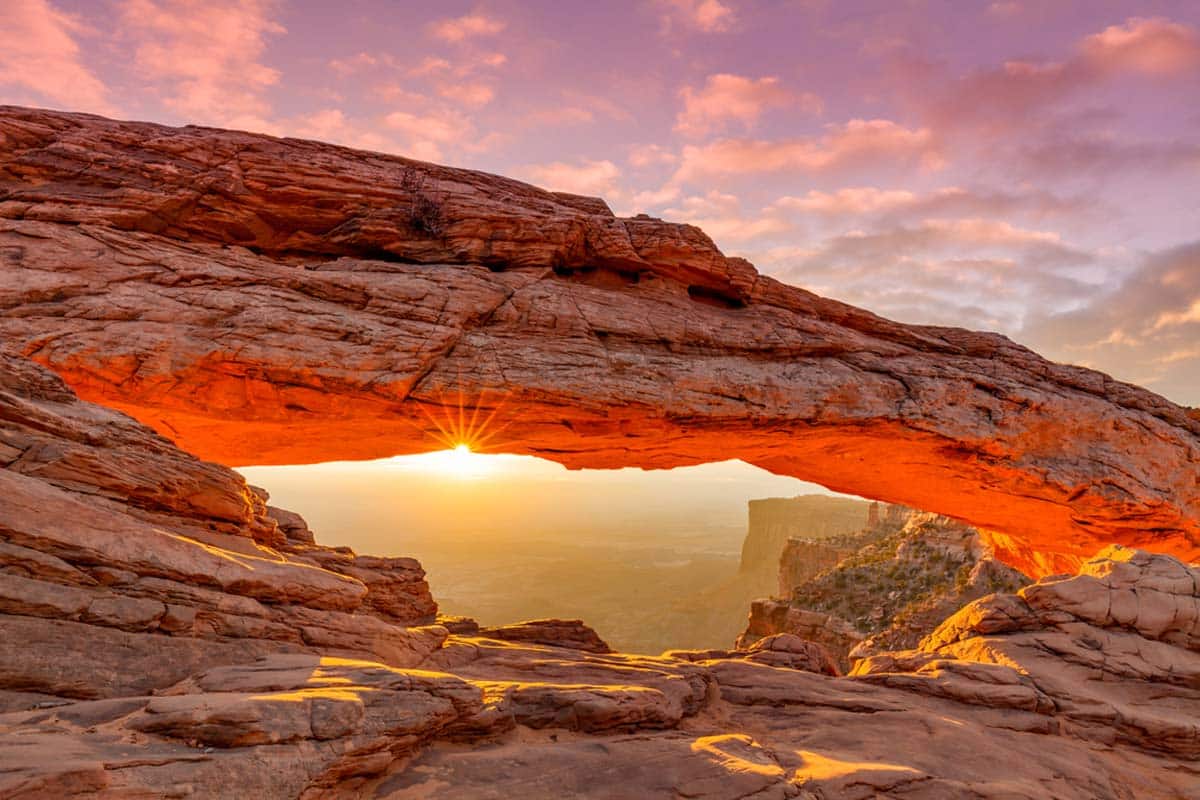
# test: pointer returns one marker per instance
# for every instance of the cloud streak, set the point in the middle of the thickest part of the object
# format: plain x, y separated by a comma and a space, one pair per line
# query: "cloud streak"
39, 54
726, 99
205, 59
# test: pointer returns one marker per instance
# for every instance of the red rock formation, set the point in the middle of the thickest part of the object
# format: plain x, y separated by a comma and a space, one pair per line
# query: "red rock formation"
164, 634
1096, 651
570, 633
802, 559
779, 617
771, 521
274, 301
126, 564
882, 589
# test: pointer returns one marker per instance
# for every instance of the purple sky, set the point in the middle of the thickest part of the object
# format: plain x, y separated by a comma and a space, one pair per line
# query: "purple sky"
1027, 167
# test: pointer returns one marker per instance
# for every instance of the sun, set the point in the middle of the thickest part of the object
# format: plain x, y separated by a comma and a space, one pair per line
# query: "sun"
459, 462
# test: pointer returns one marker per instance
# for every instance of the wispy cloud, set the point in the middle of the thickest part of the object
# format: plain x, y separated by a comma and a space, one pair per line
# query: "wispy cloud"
589, 177
1155, 46
39, 54
1144, 330
205, 59
707, 16
726, 98
855, 144
468, 26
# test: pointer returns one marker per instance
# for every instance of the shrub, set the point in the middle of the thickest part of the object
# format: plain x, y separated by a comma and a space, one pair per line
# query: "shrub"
424, 210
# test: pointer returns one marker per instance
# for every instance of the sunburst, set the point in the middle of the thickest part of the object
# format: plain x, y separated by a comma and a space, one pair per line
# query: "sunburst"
466, 429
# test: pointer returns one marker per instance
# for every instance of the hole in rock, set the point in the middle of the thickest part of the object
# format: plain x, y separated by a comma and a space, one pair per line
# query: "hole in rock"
686, 558
651, 559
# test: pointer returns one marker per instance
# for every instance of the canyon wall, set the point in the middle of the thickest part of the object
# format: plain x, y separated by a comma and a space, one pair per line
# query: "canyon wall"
263, 300
771, 521
884, 587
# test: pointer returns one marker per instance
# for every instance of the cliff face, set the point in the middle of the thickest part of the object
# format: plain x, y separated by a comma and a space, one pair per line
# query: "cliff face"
771, 521
274, 301
803, 559
805, 555
882, 588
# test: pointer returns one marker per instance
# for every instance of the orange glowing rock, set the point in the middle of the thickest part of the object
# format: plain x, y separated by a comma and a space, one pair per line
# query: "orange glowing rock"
273, 301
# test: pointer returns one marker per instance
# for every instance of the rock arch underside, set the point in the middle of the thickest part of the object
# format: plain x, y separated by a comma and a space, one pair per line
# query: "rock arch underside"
256, 300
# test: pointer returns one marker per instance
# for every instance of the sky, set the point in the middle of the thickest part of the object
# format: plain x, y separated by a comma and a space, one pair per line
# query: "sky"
1025, 167
407, 505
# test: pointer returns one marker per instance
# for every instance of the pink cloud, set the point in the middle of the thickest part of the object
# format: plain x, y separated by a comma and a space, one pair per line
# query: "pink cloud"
426, 134
205, 57
39, 54
1167, 319
332, 125
1004, 9
589, 177
356, 63
1154, 46
647, 155
853, 203
1144, 330
857, 143
1004, 98
849, 201
719, 214
469, 94
726, 98
468, 26
653, 198
563, 115
707, 16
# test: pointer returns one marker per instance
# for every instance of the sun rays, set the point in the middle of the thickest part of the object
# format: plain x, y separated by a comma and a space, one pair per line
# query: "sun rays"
468, 433
474, 428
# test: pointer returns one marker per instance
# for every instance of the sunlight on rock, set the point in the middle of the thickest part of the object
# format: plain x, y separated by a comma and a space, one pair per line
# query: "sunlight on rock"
818, 767
738, 752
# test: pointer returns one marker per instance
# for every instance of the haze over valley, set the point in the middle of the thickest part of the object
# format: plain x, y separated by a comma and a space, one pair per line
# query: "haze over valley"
649, 558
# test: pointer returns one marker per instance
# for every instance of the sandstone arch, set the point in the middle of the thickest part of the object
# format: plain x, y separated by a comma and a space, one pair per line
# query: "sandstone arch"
272, 301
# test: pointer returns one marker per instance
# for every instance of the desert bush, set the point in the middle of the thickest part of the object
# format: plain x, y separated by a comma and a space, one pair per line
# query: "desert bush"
424, 212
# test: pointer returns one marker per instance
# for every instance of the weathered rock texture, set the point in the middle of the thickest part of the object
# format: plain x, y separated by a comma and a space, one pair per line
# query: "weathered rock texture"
1098, 652
771, 521
275, 301
164, 633
126, 564
810, 550
887, 586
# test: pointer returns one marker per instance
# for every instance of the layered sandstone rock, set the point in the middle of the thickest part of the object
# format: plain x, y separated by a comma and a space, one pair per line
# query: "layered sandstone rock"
883, 588
570, 633
772, 521
165, 633
275, 301
126, 564
180, 638
769, 617
1098, 653
804, 559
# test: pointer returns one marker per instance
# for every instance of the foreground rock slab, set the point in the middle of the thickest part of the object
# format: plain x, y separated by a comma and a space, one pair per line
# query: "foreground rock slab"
261, 300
